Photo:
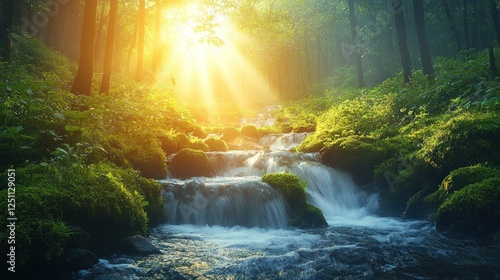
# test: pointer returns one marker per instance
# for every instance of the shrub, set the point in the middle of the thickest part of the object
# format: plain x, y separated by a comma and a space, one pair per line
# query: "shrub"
191, 163
216, 144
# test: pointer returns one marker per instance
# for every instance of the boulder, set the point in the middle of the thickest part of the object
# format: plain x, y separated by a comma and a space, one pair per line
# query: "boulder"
77, 259
140, 245
191, 163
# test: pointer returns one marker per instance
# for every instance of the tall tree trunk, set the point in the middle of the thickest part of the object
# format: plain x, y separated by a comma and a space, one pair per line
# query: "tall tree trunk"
98, 39
451, 22
83, 79
354, 35
474, 28
6, 25
399, 20
425, 54
140, 47
495, 16
110, 43
466, 24
157, 38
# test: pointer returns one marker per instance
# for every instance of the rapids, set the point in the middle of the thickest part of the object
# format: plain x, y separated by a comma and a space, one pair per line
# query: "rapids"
234, 226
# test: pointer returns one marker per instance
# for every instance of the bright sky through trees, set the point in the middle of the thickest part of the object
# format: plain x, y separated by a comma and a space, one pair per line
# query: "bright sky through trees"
209, 66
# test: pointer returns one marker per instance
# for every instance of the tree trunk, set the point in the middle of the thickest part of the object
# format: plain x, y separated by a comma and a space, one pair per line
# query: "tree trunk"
451, 22
354, 35
399, 20
140, 47
425, 54
474, 28
157, 38
466, 24
110, 43
496, 19
83, 79
134, 39
98, 39
493, 66
6, 24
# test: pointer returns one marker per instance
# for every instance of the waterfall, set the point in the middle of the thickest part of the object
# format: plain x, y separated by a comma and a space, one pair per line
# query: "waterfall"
238, 197
224, 201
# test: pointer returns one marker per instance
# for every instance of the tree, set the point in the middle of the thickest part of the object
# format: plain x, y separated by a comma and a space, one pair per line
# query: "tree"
466, 23
141, 32
157, 37
425, 54
110, 43
496, 19
399, 20
451, 22
6, 25
83, 79
354, 34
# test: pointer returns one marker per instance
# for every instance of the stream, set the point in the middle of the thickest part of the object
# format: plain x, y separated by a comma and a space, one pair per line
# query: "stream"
234, 226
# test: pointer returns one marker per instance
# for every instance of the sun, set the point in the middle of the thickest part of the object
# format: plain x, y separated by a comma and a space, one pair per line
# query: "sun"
206, 60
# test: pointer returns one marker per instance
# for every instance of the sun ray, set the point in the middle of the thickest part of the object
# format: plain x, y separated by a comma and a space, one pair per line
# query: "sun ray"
205, 74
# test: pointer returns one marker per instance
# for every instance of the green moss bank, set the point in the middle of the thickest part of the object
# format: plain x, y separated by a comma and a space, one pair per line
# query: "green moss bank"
302, 214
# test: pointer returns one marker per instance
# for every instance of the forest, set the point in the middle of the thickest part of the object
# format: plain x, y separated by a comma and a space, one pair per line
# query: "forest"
360, 137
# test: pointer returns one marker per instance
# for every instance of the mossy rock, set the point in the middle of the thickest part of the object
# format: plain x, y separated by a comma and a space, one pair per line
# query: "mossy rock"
464, 140
358, 155
230, 133
301, 213
455, 181
461, 177
250, 131
475, 209
191, 163
216, 144
82, 206
148, 159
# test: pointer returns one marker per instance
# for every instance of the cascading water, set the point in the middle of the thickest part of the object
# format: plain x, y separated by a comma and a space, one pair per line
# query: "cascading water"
234, 226
225, 202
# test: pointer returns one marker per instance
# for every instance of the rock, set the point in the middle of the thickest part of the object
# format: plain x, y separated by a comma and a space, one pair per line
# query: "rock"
140, 245
191, 163
77, 259
301, 213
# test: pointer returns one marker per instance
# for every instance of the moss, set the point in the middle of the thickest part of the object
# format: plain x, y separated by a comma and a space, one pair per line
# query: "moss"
475, 209
464, 140
191, 163
302, 214
216, 144
77, 206
464, 176
230, 133
357, 155
250, 131
149, 159
455, 181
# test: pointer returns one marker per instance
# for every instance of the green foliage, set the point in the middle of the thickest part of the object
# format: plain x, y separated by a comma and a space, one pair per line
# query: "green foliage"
462, 140
79, 206
216, 144
293, 189
474, 209
368, 115
191, 163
